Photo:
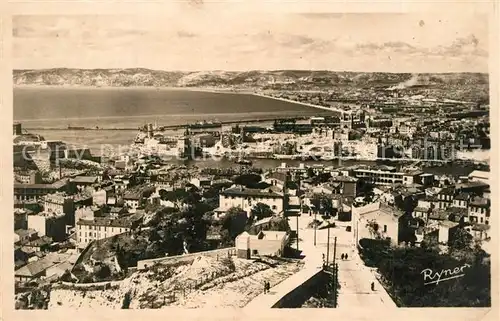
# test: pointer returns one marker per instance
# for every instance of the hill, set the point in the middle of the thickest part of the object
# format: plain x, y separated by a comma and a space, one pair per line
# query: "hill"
289, 79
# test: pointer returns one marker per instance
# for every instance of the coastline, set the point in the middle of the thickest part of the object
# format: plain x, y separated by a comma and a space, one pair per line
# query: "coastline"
333, 110
87, 87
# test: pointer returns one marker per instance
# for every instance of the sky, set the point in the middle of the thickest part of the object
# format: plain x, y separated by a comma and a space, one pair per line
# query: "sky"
204, 40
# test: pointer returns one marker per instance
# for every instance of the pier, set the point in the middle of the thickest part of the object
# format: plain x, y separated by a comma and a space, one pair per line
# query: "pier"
169, 127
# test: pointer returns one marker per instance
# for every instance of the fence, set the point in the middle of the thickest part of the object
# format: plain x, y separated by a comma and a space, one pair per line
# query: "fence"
186, 258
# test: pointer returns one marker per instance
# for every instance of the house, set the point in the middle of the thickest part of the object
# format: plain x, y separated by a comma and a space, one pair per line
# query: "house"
446, 231
445, 197
82, 182
133, 199
277, 179
60, 203
88, 230
39, 244
345, 185
381, 223
202, 181
51, 224
246, 198
25, 235
428, 202
40, 268
479, 210
412, 177
265, 243
21, 218
480, 176
461, 200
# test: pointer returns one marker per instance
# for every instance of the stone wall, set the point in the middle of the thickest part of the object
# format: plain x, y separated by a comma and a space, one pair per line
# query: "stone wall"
186, 258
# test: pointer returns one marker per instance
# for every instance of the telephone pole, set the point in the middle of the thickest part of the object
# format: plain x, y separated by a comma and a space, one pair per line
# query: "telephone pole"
328, 247
297, 217
335, 272
315, 228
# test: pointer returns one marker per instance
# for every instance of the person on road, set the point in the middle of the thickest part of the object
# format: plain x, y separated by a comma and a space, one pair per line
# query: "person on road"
373, 286
342, 256
345, 256
265, 287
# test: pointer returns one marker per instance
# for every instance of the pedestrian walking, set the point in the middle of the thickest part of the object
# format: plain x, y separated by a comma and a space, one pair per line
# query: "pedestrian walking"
345, 256
342, 256
268, 286
373, 286
265, 287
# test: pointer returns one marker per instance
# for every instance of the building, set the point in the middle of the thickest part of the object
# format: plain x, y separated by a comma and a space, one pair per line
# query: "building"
268, 243
30, 177
461, 200
479, 211
21, 218
382, 175
17, 129
479, 176
446, 197
133, 199
25, 235
89, 230
377, 223
246, 198
60, 203
202, 181
344, 185
83, 182
51, 224
34, 192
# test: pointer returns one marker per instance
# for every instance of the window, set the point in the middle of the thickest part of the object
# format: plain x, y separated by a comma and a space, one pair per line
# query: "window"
385, 228
274, 207
481, 219
255, 252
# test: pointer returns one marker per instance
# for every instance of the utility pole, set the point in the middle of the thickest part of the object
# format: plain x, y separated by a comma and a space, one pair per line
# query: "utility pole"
297, 217
328, 247
335, 272
315, 228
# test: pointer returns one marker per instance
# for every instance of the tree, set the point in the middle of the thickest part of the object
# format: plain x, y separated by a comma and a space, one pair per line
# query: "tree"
261, 210
323, 204
373, 228
460, 240
104, 272
248, 180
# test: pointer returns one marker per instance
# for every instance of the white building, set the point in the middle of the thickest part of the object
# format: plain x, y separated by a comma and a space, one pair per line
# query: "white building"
51, 224
88, 230
246, 198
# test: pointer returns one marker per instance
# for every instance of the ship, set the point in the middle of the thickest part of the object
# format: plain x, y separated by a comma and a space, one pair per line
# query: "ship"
242, 161
283, 156
204, 125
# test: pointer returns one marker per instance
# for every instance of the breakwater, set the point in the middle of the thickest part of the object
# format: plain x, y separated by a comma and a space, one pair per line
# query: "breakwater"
180, 126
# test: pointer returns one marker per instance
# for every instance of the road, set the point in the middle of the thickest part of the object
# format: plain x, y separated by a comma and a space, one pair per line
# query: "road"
354, 277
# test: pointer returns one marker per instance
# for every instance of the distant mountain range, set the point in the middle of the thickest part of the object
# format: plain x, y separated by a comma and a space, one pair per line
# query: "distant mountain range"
289, 79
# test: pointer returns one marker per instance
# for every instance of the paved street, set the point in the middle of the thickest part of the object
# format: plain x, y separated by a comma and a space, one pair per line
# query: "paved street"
354, 277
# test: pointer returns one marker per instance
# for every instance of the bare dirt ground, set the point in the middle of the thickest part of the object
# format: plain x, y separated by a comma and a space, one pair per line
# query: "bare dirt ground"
206, 282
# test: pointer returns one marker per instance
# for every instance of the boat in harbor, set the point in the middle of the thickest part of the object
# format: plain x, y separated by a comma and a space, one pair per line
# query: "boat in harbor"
204, 125
242, 161
283, 156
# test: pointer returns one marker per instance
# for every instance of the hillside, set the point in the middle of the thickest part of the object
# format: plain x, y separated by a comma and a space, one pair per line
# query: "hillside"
291, 79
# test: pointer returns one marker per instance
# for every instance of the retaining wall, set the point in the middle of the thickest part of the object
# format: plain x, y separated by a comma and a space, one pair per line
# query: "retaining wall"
186, 258
296, 297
